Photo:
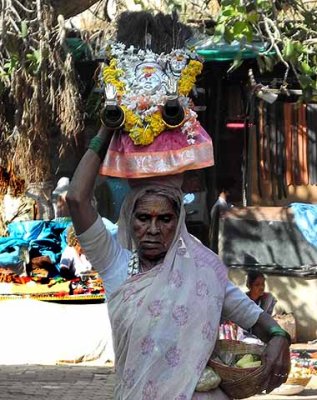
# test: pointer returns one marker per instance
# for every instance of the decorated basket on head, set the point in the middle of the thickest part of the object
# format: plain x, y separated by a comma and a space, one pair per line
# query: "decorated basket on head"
147, 103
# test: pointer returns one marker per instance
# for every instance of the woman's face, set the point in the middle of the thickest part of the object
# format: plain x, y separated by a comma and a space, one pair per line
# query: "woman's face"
154, 225
257, 287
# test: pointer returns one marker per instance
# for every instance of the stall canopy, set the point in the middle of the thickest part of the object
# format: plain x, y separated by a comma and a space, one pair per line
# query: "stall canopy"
212, 50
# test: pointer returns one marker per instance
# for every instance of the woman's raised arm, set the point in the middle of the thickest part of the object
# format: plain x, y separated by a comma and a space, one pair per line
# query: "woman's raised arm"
81, 189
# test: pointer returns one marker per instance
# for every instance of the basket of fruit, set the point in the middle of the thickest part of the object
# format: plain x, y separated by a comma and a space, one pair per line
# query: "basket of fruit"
239, 366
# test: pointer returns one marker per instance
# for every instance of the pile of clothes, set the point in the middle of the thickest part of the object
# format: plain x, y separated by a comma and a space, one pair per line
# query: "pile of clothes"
34, 245
30, 261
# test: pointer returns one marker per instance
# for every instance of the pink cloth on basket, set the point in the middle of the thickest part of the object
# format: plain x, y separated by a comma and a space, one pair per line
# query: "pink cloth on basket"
165, 321
169, 154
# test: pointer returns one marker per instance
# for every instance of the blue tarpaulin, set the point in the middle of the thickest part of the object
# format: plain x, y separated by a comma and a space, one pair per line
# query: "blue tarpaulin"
306, 220
11, 250
40, 238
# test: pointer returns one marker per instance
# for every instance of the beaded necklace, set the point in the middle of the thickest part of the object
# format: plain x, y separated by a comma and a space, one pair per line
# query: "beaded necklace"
134, 264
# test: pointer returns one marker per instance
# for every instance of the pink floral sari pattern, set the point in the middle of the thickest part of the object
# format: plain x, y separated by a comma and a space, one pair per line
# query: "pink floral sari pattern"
155, 308
128, 293
147, 345
180, 315
176, 279
201, 289
173, 356
128, 377
207, 331
149, 391
181, 397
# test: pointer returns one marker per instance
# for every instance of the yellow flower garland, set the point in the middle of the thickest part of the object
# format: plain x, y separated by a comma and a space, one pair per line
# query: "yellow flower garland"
143, 132
111, 74
131, 119
188, 77
155, 123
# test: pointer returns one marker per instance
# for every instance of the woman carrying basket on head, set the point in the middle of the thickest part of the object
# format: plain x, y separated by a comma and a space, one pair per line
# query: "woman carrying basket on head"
167, 292
169, 296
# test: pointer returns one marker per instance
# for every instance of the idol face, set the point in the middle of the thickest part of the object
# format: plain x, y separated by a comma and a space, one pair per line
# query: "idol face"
149, 77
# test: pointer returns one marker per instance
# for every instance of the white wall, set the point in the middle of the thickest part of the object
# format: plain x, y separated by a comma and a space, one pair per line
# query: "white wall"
294, 294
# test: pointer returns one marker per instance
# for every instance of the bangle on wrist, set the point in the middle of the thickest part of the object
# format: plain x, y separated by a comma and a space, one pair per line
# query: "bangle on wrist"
278, 331
97, 144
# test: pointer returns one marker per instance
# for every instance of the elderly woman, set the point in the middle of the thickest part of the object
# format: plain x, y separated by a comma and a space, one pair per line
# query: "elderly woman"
167, 291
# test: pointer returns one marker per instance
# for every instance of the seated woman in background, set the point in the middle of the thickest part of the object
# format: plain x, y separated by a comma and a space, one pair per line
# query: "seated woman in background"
256, 285
73, 260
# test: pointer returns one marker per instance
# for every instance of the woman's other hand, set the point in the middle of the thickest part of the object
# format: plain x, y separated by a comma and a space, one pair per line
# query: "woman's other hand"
277, 355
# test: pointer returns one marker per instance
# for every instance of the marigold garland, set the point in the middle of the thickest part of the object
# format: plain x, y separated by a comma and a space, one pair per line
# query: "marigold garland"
111, 74
188, 77
131, 119
143, 132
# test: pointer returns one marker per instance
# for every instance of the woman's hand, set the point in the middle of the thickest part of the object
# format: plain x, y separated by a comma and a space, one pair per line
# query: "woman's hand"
276, 359
276, 356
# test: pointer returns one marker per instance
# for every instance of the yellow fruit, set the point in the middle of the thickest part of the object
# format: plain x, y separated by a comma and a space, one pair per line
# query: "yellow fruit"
254, 364
247, 358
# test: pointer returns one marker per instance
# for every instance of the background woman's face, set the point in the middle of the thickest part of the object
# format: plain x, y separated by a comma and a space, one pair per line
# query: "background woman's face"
154, 225
257, 287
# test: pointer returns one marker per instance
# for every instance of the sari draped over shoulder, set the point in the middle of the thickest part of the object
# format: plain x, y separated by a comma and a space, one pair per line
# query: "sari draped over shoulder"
267, 302
165, 322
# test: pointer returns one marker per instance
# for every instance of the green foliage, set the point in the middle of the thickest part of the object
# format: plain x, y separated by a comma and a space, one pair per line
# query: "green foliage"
31, 62
8, 68
236, 21
24, 30
34, 60
289, 30
11, 65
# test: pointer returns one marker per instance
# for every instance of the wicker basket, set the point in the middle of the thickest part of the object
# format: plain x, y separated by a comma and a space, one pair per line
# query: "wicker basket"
238, 383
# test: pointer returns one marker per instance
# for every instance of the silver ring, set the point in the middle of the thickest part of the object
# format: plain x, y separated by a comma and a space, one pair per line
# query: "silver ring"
280, 375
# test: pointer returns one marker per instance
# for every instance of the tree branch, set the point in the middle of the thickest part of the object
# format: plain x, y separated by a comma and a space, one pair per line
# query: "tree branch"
71, 8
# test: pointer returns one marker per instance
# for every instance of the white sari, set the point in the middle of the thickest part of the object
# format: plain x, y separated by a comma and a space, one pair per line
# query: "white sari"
165, 321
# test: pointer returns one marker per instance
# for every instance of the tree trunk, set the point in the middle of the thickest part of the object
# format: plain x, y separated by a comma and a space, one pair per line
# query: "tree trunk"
70, 8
